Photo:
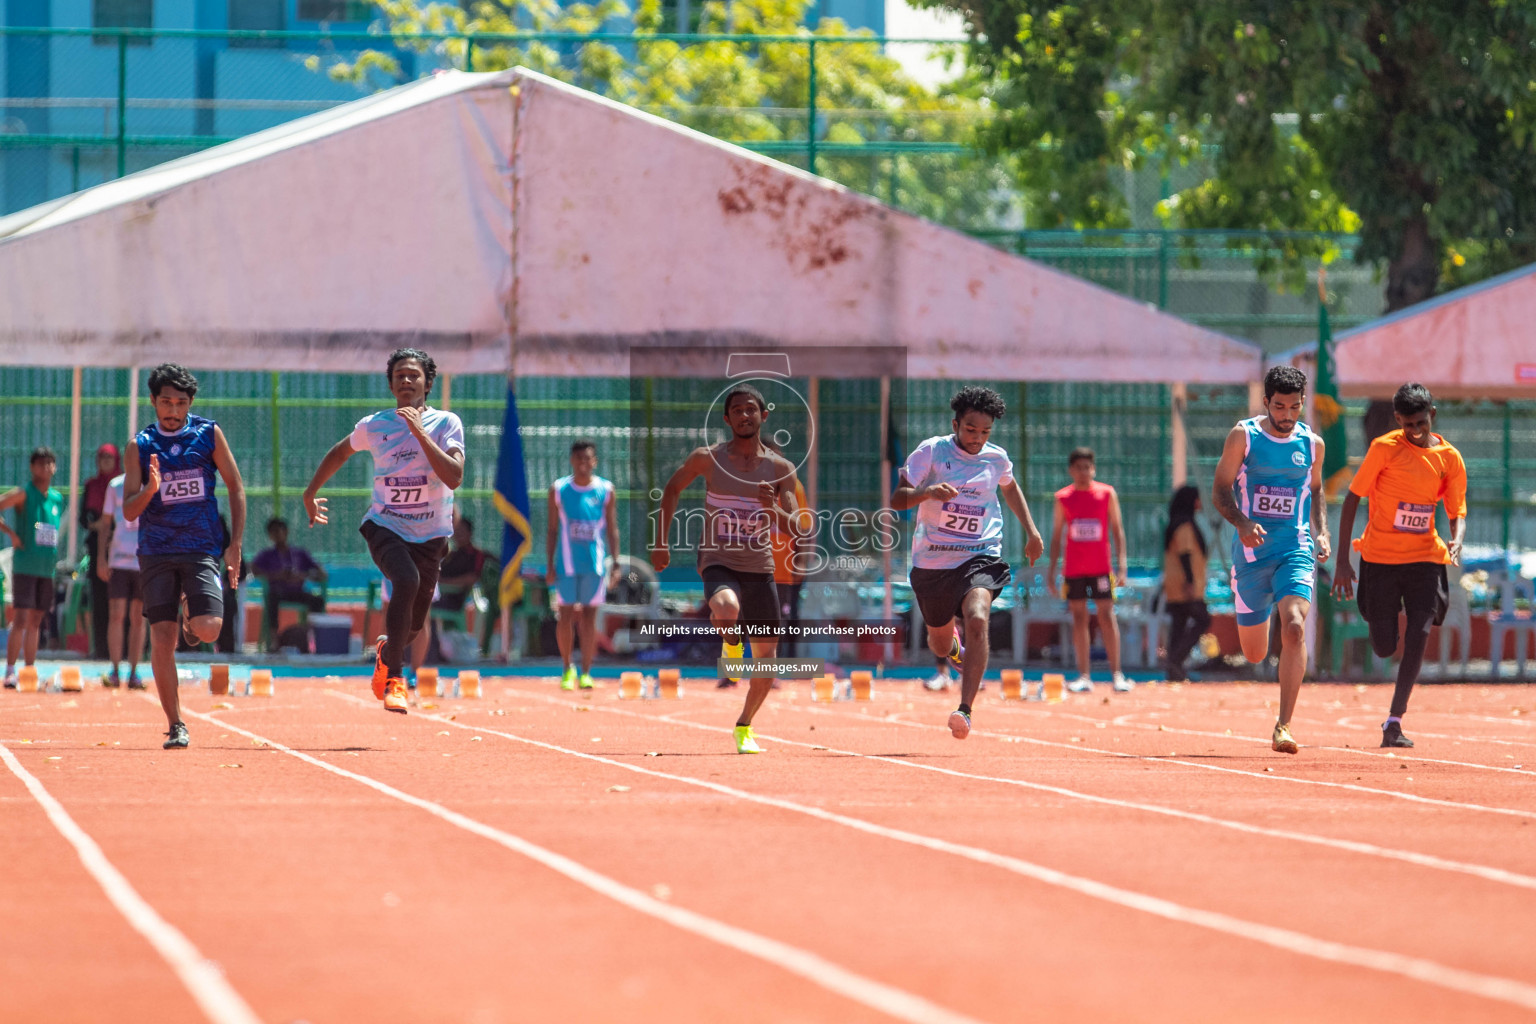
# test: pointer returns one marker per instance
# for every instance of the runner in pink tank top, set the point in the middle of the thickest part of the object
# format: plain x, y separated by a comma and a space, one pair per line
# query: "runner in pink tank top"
1087, 515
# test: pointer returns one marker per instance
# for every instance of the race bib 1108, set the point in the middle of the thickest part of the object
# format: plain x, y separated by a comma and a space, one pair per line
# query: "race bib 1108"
45, 535
1275, 502
1413, 518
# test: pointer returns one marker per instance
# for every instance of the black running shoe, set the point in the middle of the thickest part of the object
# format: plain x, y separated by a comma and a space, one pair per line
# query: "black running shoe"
1392, 735
177, 738
725, 684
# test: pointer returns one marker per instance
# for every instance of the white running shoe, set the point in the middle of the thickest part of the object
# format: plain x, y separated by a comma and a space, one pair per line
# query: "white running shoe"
939, 682
1082, 684
1122, 684
959, 724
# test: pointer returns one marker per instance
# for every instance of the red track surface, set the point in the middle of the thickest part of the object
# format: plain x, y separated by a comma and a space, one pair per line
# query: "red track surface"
1053, 867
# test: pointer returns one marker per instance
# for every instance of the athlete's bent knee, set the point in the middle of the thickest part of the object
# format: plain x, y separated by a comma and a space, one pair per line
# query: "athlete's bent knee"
1293, 632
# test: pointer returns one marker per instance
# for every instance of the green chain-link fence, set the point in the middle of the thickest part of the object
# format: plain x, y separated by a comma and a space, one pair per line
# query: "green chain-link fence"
280, 425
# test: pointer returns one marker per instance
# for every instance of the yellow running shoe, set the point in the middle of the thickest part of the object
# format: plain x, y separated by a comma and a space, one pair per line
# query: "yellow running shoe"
1282, 740
730, 650
396, 696
568, 681
586, 682
956, 653
746, 743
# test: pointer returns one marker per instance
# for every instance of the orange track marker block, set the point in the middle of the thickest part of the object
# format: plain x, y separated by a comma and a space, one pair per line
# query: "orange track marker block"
218, 680
1013, 684
667, 684
468, 685
631, 685
426, 683
863, 684
260, 684
1052, 686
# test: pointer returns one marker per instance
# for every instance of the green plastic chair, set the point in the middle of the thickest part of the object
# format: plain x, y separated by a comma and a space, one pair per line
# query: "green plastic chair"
1345, 626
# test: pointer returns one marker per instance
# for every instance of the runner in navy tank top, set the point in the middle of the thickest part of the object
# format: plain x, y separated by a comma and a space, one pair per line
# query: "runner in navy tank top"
168, 488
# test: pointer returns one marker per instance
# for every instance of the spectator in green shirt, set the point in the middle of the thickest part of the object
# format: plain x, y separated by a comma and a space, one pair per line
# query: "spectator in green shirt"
39, 511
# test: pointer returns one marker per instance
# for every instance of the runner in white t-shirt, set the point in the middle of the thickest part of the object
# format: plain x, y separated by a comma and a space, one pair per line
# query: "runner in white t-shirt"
120, 572
957, 566
418, 462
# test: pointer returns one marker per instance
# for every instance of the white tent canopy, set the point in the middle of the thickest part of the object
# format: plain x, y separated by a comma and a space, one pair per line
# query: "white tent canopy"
478, 215
1475, 342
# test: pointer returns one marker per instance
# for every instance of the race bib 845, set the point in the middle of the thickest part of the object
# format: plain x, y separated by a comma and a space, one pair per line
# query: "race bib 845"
1275, 502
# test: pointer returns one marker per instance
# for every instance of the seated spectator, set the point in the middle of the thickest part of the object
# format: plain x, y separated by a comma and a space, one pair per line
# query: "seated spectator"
284, 570
461, 568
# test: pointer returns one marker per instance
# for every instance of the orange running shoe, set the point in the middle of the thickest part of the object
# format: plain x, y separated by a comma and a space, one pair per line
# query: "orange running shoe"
396, 696
380, 672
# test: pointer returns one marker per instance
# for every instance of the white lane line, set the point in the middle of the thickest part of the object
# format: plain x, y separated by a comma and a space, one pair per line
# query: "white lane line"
893, 1002
204, 981
1417, 968
1084, 748
1485, 872
1126, 721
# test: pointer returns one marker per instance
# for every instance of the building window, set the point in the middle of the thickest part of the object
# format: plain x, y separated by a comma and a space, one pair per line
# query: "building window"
265, 15
335, 10
122, 14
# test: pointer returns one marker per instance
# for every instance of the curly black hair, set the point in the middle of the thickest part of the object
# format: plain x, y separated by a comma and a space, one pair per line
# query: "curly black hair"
1284, 380
982, 400
399, 355
170, 375
750, 392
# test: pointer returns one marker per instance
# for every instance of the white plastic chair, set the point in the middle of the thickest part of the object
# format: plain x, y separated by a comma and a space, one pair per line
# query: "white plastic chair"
1141, 628
1458, 618
1035, 602
1507, 618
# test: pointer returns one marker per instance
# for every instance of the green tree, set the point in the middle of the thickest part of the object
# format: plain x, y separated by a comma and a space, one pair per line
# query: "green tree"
1413, 122
742, 90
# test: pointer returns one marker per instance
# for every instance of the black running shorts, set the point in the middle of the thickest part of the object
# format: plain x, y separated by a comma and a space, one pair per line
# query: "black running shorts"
125, 585
34, 592
940, 592
163, 579
1418, 588
1081, 588
755, 593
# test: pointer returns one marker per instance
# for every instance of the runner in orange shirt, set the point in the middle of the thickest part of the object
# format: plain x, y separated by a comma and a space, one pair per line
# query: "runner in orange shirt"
1402, 558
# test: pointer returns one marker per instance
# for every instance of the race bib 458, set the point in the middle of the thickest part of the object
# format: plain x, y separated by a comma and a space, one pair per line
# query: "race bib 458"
182, 485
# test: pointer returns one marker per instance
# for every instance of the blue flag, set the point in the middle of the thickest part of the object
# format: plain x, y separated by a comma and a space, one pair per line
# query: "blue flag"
511, 499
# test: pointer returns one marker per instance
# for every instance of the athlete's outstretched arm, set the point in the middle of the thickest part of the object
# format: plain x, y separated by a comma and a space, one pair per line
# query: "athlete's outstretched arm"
449, 465
692, 468
1034, 544
551, 536
611, 524
1320, 508
11, 499
334, 459
906, 495
224, 459
1343, 572
1232, 454
1058, 525
1117, 529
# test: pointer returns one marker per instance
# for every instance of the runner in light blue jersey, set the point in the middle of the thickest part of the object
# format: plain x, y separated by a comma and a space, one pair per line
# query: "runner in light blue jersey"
1269, 486
580, 547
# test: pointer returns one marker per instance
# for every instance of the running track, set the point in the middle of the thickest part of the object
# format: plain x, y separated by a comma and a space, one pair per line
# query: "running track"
539, 856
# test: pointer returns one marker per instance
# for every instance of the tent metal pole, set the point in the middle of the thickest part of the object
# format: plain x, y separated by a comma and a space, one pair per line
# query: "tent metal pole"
447, 393
813, 457
1179, 392
885, 502
277, 448
133, 403
74, 465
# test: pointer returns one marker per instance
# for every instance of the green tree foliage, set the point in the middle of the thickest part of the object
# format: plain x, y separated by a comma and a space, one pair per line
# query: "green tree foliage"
742, 89
1413, 123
